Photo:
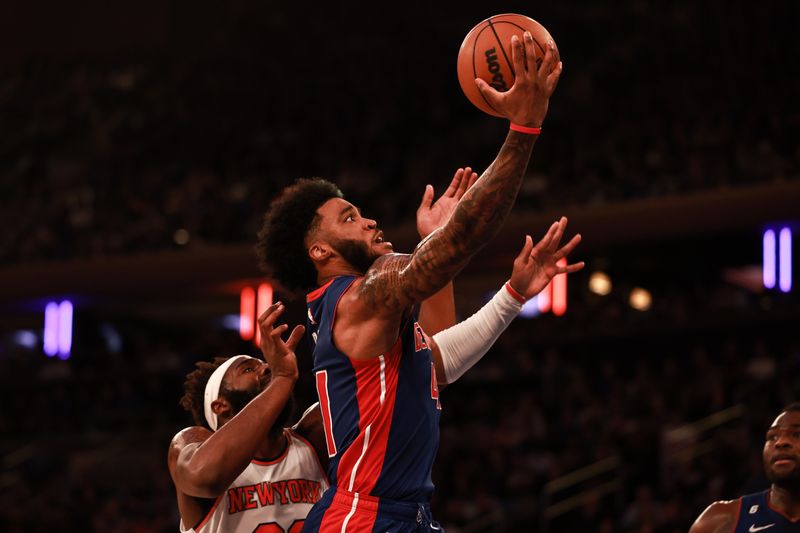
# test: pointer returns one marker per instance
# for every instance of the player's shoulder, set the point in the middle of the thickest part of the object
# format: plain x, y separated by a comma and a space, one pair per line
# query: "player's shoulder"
381, 275
190, 435
719, 517
387, 261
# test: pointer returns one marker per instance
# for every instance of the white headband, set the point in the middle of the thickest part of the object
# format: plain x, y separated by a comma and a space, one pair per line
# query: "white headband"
212, 389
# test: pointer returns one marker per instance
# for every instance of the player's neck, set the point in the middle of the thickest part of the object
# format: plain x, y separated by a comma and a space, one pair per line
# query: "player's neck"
341, 269
785, 501
274, 445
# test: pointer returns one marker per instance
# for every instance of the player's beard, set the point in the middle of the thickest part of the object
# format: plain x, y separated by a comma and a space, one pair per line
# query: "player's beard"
789, 481
240, 398
356, 253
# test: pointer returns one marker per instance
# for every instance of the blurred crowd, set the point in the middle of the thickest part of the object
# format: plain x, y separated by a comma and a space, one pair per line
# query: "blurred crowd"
153, 151
156, 150
84, 448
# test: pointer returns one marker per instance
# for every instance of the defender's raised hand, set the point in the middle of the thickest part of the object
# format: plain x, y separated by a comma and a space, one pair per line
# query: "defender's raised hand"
527, 101
277, 353
536, 265
433, 215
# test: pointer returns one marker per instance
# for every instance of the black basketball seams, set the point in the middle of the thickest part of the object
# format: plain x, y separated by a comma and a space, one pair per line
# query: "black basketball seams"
475, 70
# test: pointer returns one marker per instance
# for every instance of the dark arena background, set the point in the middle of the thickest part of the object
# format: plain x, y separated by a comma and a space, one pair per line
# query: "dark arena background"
140, 143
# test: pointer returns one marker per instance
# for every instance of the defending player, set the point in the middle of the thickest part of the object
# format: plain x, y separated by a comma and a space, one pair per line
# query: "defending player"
271, 475
776, 509
374, 370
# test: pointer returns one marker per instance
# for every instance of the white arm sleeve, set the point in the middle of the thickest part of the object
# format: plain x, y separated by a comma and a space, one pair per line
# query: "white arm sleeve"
464, 344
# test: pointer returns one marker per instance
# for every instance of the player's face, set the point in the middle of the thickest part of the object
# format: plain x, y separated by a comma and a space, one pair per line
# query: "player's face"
356, 238
782, 450
245, 380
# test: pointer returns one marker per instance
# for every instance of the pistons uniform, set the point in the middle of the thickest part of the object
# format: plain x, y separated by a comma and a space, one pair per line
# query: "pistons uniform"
756, 514
381, 419
269, 496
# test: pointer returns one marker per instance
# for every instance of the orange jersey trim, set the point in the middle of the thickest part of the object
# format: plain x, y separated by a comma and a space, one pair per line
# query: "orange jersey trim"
316, 293
278, 459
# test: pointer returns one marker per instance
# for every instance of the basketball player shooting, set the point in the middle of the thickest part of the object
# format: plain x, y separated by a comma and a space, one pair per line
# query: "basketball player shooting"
777, 509
239, 469
375, 372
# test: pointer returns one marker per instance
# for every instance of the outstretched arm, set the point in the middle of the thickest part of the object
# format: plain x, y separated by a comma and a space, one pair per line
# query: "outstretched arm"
396, 281
204, 463
457, 349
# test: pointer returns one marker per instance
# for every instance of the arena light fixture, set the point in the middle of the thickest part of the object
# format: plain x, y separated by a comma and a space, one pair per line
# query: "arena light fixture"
247, 313
600, 283
544, 299
64, 329
640, 299
531, 308
51, 329
58, 329
560, 290
785, 259
769, 264
25, 338
264, 300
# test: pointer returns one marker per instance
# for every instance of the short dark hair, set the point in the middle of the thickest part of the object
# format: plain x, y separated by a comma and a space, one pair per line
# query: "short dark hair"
281, 246
793, 407
194, 389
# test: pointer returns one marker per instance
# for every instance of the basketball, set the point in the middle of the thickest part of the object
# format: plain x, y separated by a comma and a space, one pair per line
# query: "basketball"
486, 54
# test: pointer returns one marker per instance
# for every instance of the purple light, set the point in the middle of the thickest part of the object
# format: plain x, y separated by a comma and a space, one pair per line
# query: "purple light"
785, 253
531, 308
64, 329
51, 329
769, 259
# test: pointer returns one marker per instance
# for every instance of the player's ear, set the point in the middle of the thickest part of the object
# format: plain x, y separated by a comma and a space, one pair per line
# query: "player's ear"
319, 251
221, 406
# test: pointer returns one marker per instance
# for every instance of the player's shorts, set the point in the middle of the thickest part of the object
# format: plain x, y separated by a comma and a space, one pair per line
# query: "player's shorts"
342, 511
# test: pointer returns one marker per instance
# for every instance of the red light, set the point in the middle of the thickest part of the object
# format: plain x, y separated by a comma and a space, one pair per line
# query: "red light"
264, 301
545, 298
560, 290
247, 311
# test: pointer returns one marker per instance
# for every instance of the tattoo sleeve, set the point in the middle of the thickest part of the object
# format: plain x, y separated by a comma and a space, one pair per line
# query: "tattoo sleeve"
397, 281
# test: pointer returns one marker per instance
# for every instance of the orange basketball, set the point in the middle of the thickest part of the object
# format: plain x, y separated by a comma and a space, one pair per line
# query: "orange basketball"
486, 54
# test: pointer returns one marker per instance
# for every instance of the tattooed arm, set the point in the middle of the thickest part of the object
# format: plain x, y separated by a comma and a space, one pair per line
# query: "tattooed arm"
368, 322
396, 281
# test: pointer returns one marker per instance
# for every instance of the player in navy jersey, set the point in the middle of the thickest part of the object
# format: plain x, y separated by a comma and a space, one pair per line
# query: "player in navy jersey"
375, 369
776, 509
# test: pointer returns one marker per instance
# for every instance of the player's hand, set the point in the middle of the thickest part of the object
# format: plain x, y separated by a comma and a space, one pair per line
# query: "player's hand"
535, 266
527, 100
433, 215
278, 354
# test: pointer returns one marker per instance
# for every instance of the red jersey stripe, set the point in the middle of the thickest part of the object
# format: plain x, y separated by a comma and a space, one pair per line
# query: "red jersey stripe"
350, 512
325, 407
376, 391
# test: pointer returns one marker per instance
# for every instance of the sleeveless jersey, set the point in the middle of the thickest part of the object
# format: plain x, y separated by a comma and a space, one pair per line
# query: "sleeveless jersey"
756, 514
381, 415
269, 496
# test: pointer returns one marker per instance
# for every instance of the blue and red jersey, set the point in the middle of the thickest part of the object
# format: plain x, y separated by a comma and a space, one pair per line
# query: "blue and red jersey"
756, 514
381, 415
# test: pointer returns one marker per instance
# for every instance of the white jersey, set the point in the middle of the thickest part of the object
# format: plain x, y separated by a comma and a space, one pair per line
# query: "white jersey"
269, 497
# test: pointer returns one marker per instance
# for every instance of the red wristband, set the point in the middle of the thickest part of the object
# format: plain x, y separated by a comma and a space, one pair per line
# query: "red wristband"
514, 294
526, 129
